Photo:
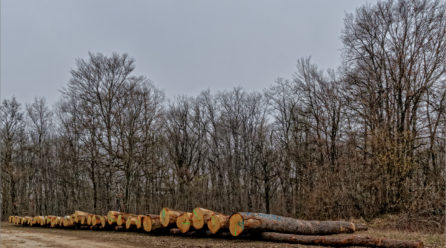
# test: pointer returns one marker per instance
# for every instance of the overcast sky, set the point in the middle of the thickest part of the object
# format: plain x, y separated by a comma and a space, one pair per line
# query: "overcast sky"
183, 46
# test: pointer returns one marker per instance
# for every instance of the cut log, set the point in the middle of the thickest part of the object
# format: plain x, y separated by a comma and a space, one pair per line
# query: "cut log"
49, 219
112, 217
151, 222
97, 220
60, 224
55, 221
123, 217
78, 214
169, 217
103, 221
68, 221
340, 241
139, 222
201, 217
132, 223
259, 222
27, 220
83, 220
184, 222
41, 220
218, 222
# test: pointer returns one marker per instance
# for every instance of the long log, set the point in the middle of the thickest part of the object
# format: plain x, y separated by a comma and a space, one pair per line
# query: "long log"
41, 220
239, 222
139, 222
184, 222
201, 217
49, 219
67, 221
340, 241
218, 222
112, 217
55, 221
123, 217
151, 222
169, 217
78, 214
103, 221
132, 223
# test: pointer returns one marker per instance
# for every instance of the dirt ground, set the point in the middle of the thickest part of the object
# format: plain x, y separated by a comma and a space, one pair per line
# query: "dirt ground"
13, 236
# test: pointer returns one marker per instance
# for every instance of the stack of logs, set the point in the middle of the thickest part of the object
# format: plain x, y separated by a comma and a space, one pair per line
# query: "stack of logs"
202, 221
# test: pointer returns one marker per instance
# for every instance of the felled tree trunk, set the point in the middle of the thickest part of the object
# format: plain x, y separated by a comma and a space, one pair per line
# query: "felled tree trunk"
169, 217
243, 221
94, 220
55, 221
123, 217
112, 217
139, 222
79, 214
184, 222
151, 222
200, 217
41, 220
68, 221
132, 223
218, 222
49, 219
340, 241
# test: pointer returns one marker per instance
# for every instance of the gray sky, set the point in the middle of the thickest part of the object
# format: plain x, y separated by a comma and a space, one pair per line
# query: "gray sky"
183, 46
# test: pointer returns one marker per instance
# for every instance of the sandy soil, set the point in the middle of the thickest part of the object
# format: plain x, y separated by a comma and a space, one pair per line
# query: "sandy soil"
15, 236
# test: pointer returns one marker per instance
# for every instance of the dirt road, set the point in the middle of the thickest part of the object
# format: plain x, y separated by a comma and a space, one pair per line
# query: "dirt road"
13, 236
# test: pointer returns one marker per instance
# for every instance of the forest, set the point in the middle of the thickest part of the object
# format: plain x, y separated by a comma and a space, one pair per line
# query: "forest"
362, 140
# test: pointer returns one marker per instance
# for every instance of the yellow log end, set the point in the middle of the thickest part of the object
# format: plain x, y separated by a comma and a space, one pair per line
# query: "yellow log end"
184, 222
164, 217
147, 223
236, 225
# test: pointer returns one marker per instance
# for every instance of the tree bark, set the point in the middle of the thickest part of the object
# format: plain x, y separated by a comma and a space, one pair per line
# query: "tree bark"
340, 241
132, 223
200, 217
112, 217
218, 222
242, 221
151, 222
169, 217
184, 222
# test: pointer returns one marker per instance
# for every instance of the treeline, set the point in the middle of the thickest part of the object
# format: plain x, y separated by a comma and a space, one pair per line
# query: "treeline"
364, 140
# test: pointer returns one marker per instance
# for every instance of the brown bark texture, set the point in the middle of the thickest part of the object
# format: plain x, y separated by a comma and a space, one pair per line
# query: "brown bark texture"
247, 221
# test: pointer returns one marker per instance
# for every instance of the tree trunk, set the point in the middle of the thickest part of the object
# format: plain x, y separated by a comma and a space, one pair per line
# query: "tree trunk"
151, 222
340, 241
123, 217
218, 222
79, 214
112, 217
169, 217
132, 223
200, 217
184, 221
241, 221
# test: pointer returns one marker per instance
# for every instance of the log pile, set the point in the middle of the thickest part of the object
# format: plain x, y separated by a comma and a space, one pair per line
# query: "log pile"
205, 222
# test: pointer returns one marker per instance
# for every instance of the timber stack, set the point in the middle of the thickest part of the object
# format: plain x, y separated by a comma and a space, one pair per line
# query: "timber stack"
205, 222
